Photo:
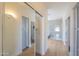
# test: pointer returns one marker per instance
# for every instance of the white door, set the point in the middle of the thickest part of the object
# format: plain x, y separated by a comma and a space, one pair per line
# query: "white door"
75, 31
68, 32
25, 32
78, 31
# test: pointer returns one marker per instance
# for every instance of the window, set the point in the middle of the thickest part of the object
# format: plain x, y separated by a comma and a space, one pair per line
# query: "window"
57, 29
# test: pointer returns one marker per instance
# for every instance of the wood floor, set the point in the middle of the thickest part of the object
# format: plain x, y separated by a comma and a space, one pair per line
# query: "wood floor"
28, 51
56, 48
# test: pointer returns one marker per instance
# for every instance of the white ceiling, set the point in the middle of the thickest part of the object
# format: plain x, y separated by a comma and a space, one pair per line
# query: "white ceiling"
57, 9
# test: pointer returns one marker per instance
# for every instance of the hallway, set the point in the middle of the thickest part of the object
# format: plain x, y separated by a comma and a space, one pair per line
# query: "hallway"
46, 24
56, 48
28, 51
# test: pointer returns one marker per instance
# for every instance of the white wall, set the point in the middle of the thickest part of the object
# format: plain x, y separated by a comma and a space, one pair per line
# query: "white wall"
38, 41
41, 8
45, 30
17, 10
41, 41
1, 13
69, 12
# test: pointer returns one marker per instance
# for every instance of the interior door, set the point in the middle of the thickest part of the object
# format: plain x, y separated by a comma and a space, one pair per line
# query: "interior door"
25, 32
78, 32
75, 31
68, 32
32, 32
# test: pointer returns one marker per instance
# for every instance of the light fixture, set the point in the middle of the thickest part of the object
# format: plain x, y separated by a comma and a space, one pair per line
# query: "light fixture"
11, 13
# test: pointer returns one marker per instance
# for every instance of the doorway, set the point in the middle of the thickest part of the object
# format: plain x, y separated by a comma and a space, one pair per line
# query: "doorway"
68, 33
56, 45
32, 32
25, 32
